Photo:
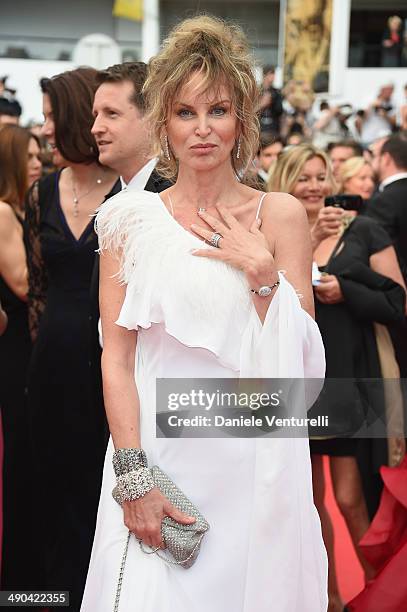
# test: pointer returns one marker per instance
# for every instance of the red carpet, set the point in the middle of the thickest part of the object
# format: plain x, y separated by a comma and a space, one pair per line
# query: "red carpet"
350, 574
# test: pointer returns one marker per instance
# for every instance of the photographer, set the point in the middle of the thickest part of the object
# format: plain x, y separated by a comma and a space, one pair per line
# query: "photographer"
271, 103
330, 126
379, 118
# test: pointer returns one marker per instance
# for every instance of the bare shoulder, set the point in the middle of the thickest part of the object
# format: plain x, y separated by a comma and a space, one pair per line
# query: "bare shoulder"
7, 218
283, 211
285, 225
6, 211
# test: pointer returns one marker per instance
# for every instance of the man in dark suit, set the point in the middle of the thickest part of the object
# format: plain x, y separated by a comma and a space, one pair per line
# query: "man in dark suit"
389, 207
122, 136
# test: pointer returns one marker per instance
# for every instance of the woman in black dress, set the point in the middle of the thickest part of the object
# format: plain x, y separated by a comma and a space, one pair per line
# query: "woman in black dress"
361, 283
20, 167
66, 411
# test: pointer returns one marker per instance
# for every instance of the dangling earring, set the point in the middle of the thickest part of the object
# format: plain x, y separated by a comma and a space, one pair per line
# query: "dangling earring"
238, 149
166, 148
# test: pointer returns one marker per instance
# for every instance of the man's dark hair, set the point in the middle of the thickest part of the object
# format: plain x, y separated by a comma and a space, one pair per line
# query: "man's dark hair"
268, 68
8, 107
396, 147
266, 140
349, 144
71, 96
134, 72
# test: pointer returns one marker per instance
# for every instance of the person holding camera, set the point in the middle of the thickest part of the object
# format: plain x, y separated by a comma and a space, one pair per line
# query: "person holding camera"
271, 103
330, 125
357, 282
380, 117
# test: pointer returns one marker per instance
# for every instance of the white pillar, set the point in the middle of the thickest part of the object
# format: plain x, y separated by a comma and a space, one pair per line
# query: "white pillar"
338, 59
150, 31
281, 44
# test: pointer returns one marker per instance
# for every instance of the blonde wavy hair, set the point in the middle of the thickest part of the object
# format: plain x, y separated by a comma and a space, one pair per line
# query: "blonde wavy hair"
220, 53
349, 168
290, 164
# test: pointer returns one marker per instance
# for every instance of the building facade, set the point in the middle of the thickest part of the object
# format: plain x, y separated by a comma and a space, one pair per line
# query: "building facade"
40, 39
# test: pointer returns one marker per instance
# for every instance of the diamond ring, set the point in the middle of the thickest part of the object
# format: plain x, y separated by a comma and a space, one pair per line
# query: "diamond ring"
214, 240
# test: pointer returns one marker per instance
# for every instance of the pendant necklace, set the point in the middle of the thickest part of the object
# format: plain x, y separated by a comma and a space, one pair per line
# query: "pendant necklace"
77, 198
200, 209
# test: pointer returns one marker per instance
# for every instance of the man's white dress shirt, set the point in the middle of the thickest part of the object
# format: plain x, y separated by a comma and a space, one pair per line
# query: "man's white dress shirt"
392, 179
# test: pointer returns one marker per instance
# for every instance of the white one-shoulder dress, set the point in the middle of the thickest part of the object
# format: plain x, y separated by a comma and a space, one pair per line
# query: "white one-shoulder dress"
195, 318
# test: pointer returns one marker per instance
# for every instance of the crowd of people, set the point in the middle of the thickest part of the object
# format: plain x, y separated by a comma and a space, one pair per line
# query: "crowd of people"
185, 283
359, 288
296, 115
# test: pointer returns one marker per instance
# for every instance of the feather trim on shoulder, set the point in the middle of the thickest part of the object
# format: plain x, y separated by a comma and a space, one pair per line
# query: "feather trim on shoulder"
116, 224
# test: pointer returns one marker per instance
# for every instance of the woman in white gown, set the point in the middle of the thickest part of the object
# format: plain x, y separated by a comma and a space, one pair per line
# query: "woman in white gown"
185, 309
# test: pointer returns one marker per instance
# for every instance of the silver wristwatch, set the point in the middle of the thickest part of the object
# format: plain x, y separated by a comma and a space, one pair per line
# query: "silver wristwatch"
266, 290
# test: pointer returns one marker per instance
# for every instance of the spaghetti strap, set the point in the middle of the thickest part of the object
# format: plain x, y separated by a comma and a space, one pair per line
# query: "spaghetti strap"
260, 203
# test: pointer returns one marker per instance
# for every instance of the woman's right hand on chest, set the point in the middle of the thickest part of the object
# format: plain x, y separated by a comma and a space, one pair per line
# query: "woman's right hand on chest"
143, 517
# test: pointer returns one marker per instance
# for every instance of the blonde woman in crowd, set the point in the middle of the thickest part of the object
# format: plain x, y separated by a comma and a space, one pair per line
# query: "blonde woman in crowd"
214, 309
356, 177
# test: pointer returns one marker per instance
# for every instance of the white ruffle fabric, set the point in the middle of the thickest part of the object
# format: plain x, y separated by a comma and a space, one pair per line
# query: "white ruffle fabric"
195, 319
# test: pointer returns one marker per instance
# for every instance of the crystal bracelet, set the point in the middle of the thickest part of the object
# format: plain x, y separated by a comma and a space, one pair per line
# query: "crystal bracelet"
133, 485
126, 460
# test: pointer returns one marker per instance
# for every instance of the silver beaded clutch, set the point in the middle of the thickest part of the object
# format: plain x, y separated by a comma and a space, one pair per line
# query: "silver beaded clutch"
183, 542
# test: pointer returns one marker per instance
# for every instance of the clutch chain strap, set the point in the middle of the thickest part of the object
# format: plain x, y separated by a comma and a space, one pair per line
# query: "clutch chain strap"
165, 558
147, 552
121, 573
